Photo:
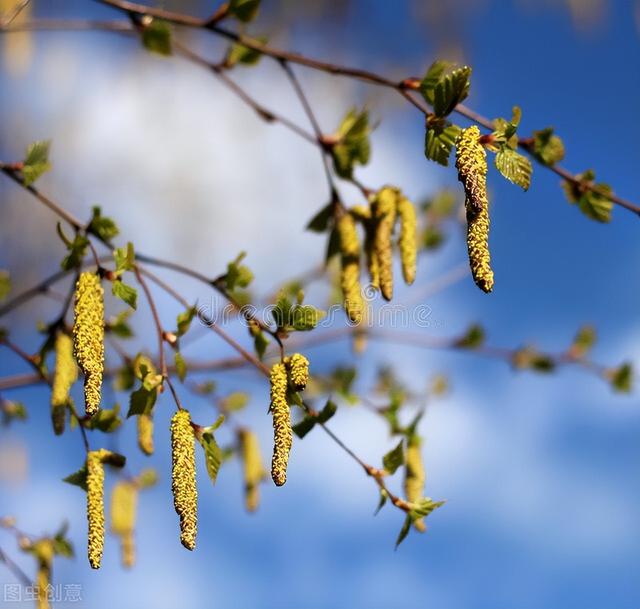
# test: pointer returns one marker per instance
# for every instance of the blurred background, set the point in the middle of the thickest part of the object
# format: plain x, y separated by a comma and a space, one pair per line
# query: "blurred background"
540, 472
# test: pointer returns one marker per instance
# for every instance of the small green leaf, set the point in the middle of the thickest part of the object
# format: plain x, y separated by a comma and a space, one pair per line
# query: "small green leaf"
514, 166
594, 205
583, 342
234, 401
106, 420
530, 358
424, 507
62, 546
320, 222
36, 162
156, 37
435, 72
260, 344
352, 146
622, 378
124, 258
141, 401
184, 320
432, 237
393, 459
450, 91
240, 54
118, 325
125, 292
5, 284
547, 147
302, 428
212, 453
404, 531
78, 478
181, 366
383, 499
473, 338
102, 226
238, 275
244, 10
76, 249
440, 138
327, 412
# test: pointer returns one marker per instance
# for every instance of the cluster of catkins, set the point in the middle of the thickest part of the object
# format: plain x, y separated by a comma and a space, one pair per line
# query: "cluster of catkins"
378, 220
471, 162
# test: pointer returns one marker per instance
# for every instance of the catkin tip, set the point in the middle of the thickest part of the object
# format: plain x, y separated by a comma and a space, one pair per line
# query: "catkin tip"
183, 477
350, 268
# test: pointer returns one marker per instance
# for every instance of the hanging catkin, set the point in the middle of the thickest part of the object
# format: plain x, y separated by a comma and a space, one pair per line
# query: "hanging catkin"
95, 505
64, 376
384, 212
254, 471
145, 433
282, 435
43, 551
471, 162
298, 367
124, 499
407, 241
183, 477
414, 476
88, 337
350, 272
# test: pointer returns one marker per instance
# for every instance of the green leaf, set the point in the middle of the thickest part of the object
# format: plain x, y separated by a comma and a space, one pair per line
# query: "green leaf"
440, 138
147, 478
238, 275
141, 401
12, 411
424, 507
547, 147
106, 419
434, 74
5, 284
450, 90
594, 205
36, 162
514, 166
62, 546
327, 412
260, 344
432, 237
320, 222
441, 205
504, 133
125, 292
234, 401
102, 226
124, 258
404, 531
156, 37
394, 458
473, 338
383, 499
306, 317
184, 319
302, 428
76, 249
181, 366
530, 358
118, 325
244, 10
622, 378
240, 54
583, 342
352, 146
212, 453
78, 478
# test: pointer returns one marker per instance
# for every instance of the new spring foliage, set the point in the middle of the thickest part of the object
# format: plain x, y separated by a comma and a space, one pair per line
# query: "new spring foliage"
88, 337
95, 505
471, 162
350, 267
183, 477
282, 434
64, 376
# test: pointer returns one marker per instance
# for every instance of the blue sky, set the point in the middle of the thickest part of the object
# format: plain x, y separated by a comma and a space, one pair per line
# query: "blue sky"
540, 473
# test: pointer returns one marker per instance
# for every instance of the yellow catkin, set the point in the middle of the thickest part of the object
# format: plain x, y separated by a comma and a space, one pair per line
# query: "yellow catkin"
88, 337
414, 478
43, 582
298, 367
254, 471
408, 240
64, 376
471, 162
350, 272
370, 252
282, 435
145, 433
95, 505
183, 477
384, 211
124, 500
